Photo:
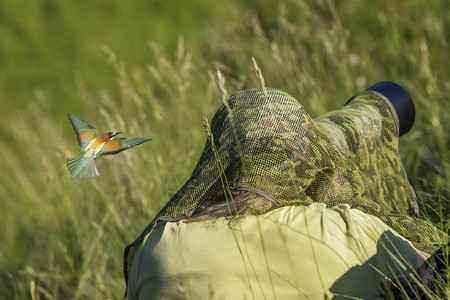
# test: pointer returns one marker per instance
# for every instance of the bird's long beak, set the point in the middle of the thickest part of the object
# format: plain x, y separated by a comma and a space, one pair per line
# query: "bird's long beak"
115, 133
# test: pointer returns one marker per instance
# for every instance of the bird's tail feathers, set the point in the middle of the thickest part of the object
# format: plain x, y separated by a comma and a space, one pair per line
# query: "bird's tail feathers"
82, 167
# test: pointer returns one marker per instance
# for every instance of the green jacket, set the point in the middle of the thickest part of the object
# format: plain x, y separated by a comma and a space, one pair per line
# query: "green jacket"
294, 252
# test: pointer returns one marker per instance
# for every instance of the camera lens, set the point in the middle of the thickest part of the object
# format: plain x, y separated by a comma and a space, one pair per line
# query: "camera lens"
400, 101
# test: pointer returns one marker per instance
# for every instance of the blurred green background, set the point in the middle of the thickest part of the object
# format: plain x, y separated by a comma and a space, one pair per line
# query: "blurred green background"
44, 44
149, 69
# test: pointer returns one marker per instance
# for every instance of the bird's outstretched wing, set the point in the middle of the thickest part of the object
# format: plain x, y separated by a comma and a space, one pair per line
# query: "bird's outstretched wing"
117, 145
85, 132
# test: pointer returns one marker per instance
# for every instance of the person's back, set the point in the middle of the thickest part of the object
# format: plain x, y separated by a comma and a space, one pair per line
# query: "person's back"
289, 253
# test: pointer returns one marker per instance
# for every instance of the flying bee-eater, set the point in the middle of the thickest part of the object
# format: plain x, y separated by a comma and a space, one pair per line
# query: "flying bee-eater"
93, 147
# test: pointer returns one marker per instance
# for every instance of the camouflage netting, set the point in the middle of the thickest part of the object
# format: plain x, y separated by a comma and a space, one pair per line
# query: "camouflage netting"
265, 142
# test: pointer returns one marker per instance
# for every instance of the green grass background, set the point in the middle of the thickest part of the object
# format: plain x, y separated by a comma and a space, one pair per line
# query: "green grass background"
149, 69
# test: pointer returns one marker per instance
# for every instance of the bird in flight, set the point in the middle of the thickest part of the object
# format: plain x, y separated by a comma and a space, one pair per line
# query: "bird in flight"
93, 147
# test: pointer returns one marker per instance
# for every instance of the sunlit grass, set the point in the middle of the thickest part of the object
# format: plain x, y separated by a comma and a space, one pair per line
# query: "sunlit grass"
65, 239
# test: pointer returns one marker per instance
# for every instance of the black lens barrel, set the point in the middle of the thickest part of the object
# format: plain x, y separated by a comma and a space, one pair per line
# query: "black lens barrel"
400, 100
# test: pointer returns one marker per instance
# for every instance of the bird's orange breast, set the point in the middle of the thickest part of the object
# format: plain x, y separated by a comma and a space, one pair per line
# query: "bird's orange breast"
96, 145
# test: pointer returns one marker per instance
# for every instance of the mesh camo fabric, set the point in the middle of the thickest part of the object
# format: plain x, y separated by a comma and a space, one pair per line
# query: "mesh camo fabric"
264, 141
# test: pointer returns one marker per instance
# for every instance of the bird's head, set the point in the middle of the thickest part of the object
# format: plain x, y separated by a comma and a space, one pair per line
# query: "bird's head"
113, 134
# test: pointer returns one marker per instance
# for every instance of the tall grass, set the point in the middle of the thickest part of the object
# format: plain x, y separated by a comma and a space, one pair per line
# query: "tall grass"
64, 239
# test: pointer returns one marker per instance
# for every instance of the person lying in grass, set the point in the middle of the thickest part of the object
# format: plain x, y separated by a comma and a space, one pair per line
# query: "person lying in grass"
284, 206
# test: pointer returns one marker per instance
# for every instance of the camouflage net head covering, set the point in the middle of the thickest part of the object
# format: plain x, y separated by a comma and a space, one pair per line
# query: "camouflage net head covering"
263, 141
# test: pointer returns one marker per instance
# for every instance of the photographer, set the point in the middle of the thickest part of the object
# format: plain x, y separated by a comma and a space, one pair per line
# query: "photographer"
284, 206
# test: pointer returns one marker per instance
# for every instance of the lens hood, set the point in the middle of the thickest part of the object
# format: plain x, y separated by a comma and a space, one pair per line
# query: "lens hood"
399, 100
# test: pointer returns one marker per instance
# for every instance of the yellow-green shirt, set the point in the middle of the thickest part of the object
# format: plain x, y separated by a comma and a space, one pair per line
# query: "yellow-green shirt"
294, 252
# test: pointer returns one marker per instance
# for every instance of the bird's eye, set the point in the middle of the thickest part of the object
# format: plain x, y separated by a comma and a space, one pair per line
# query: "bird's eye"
114, 134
